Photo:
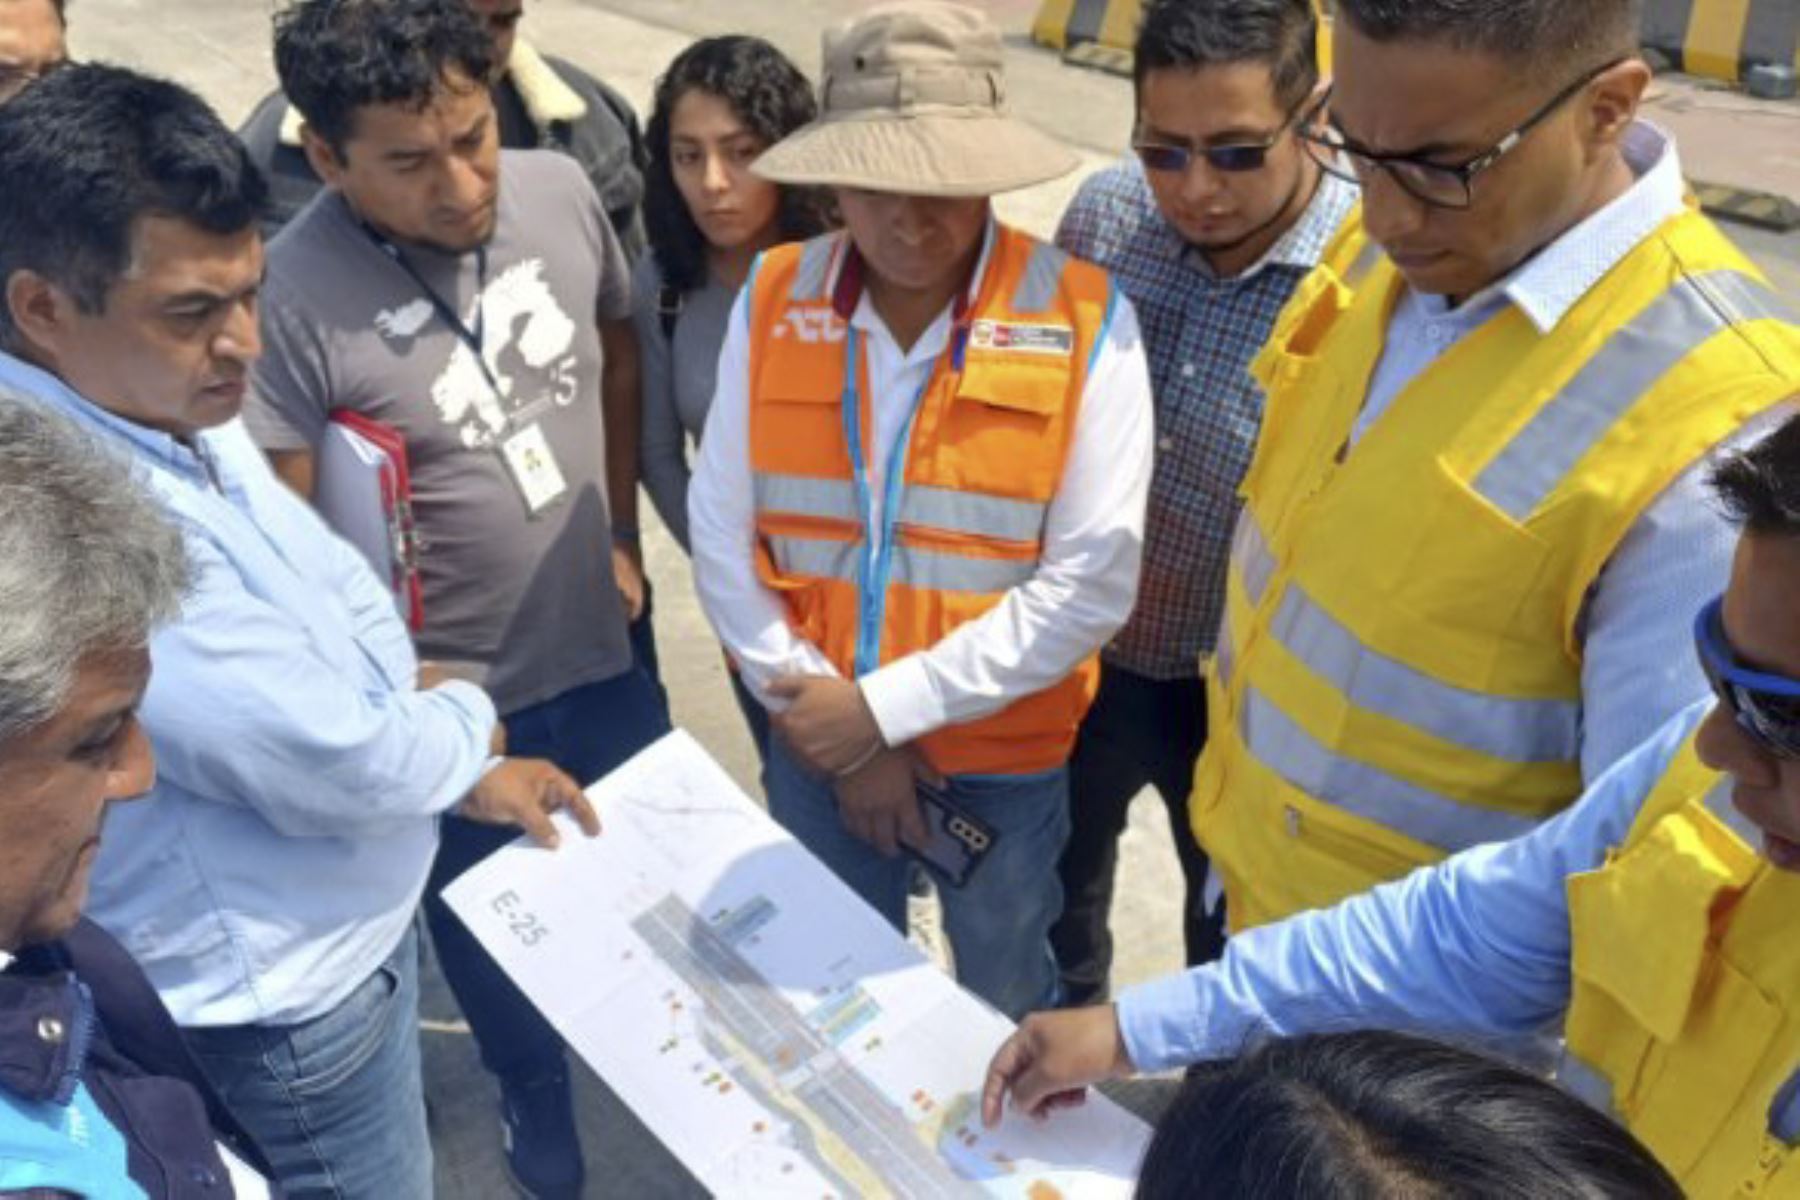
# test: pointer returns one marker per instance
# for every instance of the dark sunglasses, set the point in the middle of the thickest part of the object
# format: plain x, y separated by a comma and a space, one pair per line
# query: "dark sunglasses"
1239, 158
1766, 707
1175, 160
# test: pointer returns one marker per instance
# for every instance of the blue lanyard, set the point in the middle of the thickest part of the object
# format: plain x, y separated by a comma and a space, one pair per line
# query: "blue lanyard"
474, 338
874, 567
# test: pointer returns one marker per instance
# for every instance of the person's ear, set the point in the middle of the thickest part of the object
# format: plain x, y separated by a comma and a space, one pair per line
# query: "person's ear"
322, 157
41, 311
1612, 104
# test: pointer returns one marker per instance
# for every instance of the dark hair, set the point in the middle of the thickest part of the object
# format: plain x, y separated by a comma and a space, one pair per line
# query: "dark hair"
85, 152
1760, 488
1547, 34
1377, 1116
338, 56
770, 95
1185, 35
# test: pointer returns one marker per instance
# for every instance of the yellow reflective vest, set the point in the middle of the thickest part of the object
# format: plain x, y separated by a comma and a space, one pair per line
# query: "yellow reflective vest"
1684, 1021
1399, 670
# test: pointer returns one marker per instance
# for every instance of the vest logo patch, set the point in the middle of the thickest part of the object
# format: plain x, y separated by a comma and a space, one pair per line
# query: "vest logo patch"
814, 326
1052, 341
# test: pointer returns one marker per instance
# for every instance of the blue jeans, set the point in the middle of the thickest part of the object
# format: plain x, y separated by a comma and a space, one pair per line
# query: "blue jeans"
336, 1103
999, 922
587, 731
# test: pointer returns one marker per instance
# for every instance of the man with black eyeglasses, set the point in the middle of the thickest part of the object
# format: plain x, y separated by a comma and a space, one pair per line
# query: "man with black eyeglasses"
32, 42
1652, 922
1476, 522
1208, 229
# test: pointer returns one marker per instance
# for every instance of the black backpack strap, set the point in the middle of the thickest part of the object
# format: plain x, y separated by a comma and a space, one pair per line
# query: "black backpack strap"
668, 310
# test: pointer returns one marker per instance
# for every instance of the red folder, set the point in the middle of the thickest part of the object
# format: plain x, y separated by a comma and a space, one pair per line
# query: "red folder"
364, 492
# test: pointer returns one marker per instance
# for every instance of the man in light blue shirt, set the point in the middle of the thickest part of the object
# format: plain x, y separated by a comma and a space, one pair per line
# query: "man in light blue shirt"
269, 887
1478, 947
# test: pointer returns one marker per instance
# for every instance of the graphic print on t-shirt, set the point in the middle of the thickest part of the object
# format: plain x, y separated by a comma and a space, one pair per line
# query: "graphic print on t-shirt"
530, 350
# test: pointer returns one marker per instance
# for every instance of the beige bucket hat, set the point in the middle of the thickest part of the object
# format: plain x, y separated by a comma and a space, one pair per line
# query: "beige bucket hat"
914, 101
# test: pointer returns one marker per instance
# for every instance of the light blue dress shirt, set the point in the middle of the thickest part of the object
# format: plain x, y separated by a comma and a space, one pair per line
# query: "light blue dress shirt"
1475, 947
300, 773
1678, 554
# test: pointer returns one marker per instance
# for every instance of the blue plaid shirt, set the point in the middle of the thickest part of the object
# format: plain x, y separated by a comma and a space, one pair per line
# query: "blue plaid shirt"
1201, 332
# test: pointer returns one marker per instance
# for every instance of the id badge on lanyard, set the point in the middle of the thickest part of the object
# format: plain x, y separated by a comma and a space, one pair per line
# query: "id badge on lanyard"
524, 451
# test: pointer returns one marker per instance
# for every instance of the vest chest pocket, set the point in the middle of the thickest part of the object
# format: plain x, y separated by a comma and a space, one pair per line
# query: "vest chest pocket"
1677, 1029
1005, 429
1464, 570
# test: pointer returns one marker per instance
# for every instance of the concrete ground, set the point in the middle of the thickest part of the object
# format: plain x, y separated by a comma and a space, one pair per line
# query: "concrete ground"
221, 47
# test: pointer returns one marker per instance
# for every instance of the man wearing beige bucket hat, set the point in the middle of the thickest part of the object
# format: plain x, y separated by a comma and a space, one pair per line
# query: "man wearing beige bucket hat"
918, 510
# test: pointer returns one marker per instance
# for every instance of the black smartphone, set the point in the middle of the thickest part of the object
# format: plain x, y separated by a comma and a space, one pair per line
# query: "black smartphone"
958, 840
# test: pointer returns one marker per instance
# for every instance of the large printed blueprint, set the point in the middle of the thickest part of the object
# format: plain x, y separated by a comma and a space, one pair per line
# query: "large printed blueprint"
771, 1029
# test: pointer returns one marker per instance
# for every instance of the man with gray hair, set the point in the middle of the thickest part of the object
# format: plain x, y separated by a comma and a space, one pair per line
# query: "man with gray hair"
88, 570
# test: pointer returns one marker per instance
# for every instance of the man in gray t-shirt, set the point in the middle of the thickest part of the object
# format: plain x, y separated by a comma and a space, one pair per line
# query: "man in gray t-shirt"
476, 301
522, 601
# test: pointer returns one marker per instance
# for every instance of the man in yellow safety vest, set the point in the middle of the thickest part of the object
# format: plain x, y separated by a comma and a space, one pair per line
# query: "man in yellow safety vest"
1476, 519
1655, 918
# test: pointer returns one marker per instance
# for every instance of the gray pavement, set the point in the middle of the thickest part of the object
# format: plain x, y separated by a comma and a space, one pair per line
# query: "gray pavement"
221, 48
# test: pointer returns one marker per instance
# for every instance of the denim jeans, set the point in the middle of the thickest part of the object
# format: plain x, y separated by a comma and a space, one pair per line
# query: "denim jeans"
587, 731
336, 1103
1140, 732
999, 922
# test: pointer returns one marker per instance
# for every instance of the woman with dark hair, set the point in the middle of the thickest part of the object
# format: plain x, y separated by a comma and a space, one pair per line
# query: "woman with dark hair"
1385, 1116
723, 101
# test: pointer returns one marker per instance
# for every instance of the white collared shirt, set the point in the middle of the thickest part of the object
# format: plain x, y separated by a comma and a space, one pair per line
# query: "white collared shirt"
1637, 670
1042, 630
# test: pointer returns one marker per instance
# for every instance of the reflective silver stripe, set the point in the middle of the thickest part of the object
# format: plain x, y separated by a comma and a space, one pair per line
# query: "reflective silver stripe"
1624, 370
933, 570
1718, 802
1251, 552
1223, 662
816, 557
998, 517
1037, 286
1365, 791
1585, 1083
1364, 262
1521, 731
815, 262
1784, 1113
806, 496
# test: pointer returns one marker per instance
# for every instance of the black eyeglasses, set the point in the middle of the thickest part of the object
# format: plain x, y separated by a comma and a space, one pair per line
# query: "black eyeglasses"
1441, 185
1238, 158
1766, 707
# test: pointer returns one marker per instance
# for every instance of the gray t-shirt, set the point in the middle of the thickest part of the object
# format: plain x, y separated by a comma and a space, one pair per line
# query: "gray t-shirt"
526, 604
679, 373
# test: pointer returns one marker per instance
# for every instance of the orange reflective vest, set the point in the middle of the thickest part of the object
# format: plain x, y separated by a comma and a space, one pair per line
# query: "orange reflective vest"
967, 488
